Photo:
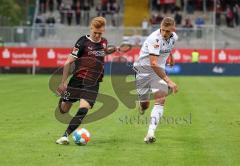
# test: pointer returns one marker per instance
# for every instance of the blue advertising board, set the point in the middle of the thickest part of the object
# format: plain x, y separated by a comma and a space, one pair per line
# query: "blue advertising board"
197, 69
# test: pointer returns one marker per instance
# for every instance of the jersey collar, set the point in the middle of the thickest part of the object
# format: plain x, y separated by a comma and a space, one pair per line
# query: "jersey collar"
88, 36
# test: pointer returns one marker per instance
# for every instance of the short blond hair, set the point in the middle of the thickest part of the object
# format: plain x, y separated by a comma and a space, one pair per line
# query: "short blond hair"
98, 22
168, 21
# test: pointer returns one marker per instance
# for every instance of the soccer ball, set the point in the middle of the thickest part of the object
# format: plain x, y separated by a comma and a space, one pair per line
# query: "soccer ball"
81, 136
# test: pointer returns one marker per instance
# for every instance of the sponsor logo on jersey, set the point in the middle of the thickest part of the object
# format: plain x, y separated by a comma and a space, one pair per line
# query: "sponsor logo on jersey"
96, 53
165, 51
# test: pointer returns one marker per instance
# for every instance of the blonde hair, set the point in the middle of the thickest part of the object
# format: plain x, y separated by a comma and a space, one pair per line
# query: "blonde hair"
168, 21
98, 22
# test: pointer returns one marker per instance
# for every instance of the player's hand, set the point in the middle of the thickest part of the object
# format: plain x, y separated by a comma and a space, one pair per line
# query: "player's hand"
61, 89
171, 63
173, 86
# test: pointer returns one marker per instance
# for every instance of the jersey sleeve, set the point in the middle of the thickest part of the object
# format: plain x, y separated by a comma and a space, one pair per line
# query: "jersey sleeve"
153, 46
77, 50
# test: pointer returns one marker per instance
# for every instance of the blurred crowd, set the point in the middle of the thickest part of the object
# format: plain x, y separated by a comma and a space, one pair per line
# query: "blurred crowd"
77, 12
231, 12
187, 13
227, 12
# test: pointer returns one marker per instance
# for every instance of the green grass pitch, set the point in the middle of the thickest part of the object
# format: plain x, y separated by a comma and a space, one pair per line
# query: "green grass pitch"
201, 127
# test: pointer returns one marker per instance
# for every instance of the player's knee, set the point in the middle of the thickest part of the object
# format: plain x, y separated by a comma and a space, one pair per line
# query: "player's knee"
63, 111
64, 107
144, 105
160, 100
160, 97
85, 104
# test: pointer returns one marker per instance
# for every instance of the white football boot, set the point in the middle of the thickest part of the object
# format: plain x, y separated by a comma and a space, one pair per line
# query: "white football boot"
63, 141
149, 139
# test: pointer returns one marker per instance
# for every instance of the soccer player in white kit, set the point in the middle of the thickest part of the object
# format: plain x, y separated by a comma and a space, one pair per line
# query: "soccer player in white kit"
150, 73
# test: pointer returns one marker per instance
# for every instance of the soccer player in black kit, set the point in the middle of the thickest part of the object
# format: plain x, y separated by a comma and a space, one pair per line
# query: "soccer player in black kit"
88, 58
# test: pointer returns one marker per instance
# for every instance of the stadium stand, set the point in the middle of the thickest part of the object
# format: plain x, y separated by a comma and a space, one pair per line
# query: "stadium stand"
53, 18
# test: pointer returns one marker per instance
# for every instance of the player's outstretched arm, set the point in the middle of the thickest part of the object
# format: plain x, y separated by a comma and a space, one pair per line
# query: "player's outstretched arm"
66, 69
123, 48
161, 73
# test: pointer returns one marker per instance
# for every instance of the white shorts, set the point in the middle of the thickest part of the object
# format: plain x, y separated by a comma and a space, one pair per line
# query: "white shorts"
149, 83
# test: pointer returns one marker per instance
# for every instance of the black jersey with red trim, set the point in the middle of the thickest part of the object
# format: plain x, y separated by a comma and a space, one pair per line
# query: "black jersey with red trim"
89, 64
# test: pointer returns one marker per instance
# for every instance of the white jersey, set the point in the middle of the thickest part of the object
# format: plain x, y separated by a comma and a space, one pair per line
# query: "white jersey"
155, 44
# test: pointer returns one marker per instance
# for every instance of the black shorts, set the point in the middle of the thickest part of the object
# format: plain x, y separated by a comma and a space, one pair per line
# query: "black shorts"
81, 89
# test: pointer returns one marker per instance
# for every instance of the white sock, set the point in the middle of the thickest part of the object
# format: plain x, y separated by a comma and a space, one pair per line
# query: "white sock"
156, 114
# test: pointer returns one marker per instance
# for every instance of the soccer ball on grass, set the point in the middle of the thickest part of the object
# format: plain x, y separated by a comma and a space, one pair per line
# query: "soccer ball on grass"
81, 136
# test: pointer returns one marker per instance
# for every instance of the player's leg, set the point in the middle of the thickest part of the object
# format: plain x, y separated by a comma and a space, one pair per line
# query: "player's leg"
156, 114
87, 97
143, 91
160, 91
64, 106
143, 106
84, 106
